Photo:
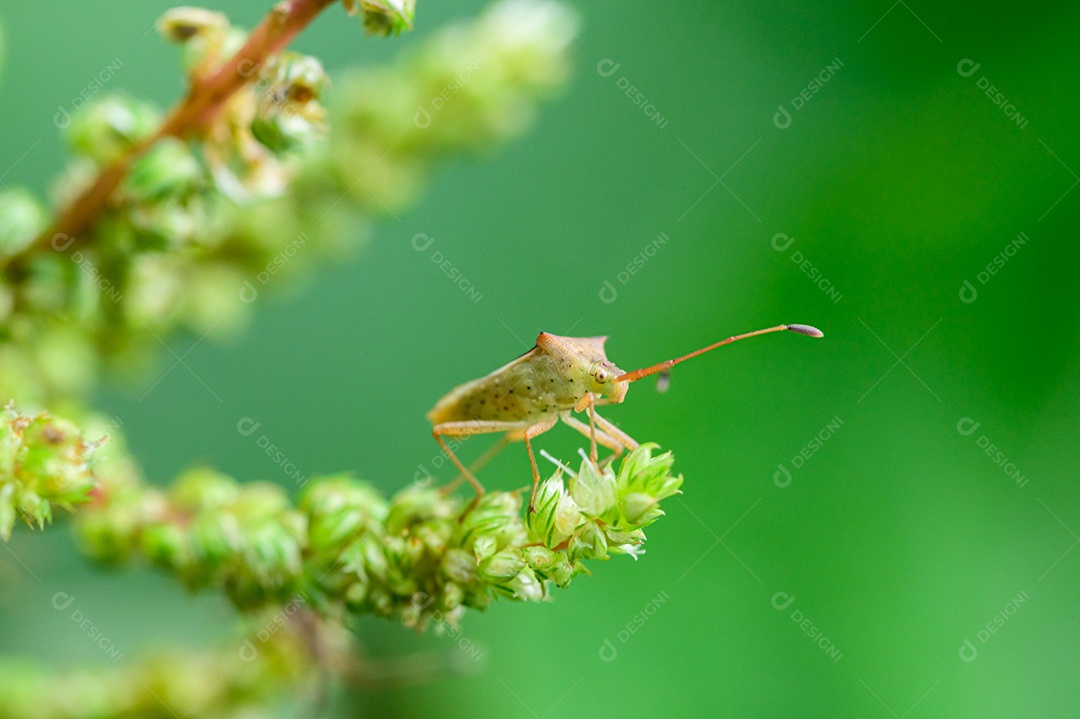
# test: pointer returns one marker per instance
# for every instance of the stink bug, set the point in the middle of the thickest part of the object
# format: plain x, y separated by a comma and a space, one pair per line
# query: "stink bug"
557, 377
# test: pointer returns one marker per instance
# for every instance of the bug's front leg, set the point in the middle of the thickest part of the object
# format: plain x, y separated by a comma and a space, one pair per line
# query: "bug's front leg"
588, 402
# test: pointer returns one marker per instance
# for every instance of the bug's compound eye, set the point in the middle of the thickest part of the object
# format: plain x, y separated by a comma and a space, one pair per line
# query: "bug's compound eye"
600, 375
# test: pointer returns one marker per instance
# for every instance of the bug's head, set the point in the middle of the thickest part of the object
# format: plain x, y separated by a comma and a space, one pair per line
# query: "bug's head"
602, 382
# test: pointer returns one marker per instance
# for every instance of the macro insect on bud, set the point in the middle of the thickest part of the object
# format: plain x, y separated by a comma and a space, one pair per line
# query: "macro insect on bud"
557, 377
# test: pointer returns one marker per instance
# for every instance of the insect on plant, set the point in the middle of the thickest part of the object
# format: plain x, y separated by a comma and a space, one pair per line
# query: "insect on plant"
557, 377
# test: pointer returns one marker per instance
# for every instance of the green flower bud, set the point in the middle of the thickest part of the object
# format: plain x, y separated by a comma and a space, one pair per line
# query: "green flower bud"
453, 596
634, 536
22, 219
567, 518
540, 558
288, 112
216, 538
106, 128
641, 472
416, 505
206, 36
181, 24
543, 521
55, 456
339, 511
484, 546
640, 509
525, 587
589, 542
594, 492
492, 523
503, 565
153, 289
356, 596
168, 170
110, 534
384, 17
459, 565
561, 572
203, 488
167, 546
272, 556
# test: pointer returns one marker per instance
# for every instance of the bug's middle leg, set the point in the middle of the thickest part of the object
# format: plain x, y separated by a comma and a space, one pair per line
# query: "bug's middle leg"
537, 429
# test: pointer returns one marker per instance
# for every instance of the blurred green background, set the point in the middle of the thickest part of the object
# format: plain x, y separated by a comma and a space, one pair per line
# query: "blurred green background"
894, 541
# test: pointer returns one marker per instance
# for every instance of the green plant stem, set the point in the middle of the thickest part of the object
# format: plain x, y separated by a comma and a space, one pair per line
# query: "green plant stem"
204, 99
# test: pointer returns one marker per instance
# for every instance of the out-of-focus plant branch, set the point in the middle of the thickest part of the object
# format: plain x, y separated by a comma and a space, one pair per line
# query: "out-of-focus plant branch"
185, 218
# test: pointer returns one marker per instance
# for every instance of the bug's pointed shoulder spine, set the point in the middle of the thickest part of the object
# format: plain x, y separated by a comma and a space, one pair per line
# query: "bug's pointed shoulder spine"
548, 342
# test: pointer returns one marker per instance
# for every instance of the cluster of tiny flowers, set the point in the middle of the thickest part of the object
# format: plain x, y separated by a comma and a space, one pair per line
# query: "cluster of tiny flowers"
349, 550
44, 461
241, 679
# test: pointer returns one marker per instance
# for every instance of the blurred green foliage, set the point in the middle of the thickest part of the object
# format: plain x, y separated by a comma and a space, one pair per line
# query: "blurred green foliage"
898, 538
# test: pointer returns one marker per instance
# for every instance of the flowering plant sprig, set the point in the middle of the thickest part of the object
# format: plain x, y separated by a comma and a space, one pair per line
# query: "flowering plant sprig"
44, 461
350, 550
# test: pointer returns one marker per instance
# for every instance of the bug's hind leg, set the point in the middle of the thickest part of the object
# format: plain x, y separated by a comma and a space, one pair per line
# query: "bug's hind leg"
482, 460
467, 429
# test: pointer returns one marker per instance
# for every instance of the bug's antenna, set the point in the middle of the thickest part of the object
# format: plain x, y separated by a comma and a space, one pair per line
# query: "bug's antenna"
646, 371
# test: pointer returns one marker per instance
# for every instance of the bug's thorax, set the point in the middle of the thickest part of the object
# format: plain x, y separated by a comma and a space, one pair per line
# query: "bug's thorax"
582, 366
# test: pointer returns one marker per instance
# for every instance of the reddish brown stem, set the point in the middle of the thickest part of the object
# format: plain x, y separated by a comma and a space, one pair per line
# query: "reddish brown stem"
204, 99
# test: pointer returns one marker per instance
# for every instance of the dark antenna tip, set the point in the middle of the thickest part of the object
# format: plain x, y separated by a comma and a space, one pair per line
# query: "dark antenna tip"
806, 330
